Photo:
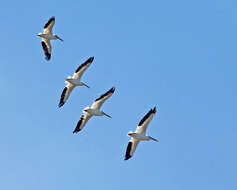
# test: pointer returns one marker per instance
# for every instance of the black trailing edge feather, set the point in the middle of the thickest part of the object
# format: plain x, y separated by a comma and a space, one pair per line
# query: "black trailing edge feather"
49, 21
105, 94
147, 115
90, 60
79, 123
46, 52
129, 148
61, 103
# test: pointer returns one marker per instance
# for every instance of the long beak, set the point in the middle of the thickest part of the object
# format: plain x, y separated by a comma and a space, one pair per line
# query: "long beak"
154, 139
60, 38
86, 85
107, 115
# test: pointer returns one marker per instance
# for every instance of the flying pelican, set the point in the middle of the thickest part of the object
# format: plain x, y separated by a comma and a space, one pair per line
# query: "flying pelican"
47, 36
140, 134
94, 110
74, 81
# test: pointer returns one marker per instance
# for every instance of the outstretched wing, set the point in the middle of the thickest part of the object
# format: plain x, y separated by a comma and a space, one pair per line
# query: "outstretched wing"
81, 69
47, 48
65, 94
81, 123
142, 126
49, 25
99, 101
132, 145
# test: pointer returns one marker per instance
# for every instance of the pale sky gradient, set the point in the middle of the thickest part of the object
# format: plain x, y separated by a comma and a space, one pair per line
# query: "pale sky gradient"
180, 56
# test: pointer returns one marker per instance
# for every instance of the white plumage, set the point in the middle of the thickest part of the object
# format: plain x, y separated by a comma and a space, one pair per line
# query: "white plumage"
94, 110
140, 134
47, 36
74, 81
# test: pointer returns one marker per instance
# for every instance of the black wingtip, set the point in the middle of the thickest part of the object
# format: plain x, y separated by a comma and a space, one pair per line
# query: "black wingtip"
76, 130
128, 150
151, 111
61, 101
79, 123
112, 89
46, 53
47, 58
51, 18
49, 21
127, 158
91, 59
60, 104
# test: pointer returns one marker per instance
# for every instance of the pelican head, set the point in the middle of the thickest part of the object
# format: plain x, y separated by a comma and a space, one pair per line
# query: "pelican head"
39, 34
86, 109
68, 79
130, 133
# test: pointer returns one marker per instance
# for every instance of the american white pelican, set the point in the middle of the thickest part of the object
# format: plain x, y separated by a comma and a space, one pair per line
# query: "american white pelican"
140, 134
47, 36
74, 81
94, 110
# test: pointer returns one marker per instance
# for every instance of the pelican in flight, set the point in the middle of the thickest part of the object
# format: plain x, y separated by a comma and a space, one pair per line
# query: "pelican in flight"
47, 36
74, 81
140, 134
94, 110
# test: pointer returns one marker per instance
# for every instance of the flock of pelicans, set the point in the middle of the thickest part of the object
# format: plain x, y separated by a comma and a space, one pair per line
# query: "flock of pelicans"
94, 110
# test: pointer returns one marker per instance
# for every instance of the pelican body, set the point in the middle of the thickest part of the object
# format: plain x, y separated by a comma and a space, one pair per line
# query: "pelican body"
94, 110
141, 137
74, 81
47, 36
140, 134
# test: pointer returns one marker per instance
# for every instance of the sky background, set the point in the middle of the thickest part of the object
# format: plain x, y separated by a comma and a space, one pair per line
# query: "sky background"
177, 55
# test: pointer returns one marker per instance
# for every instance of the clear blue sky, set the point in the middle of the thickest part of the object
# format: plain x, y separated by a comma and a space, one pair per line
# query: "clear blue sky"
178, 55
